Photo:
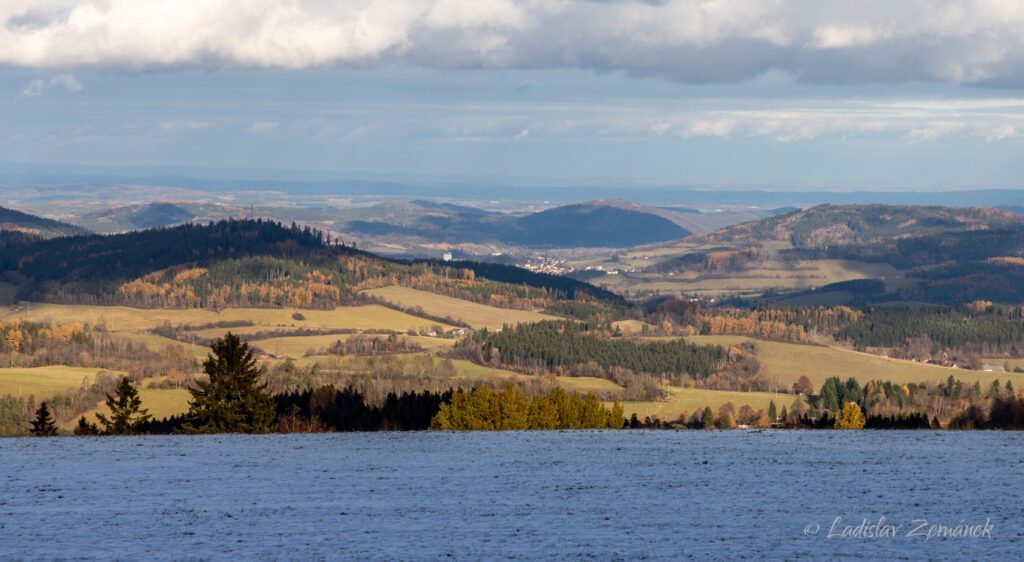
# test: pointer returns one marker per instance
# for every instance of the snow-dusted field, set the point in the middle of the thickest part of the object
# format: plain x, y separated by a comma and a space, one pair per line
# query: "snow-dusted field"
626, 494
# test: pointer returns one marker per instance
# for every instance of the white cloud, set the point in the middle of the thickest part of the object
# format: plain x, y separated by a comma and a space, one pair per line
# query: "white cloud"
660, 128
839, 37
64, 81
705, 128
264, 127
686, 40
184, 125
935, 130
1001, 132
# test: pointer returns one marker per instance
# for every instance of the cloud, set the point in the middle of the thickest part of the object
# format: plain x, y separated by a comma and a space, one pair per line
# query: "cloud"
697, 41
184, 125
935, 130
1001, 132
706, 128
263, 127
65, 81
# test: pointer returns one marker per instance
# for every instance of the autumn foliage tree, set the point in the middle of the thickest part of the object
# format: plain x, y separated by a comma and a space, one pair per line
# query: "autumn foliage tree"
850, 418
485, 409
803, 386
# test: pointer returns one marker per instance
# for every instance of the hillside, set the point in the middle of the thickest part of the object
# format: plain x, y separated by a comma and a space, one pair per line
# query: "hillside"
825, 225
597, 224
253, 263
418, 224
937, 255
16, 221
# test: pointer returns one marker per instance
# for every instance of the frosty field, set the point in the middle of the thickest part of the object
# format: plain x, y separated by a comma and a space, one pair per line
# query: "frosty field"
604, 495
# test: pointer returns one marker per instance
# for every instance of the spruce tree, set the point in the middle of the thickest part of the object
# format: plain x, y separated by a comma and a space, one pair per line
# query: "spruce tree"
829, 398
84, 428
43, 425
772, 411
707, 421
234, 401
126, 414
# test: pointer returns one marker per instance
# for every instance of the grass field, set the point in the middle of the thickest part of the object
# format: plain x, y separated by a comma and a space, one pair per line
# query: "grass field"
473, 314
790, 361
1011, 363
630, 327
125, 319
690, 400
160, 403
768, 274
43, 382
158, 343
471, 372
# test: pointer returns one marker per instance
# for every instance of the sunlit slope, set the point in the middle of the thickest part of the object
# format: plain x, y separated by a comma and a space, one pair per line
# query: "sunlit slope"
473, 314
789, 361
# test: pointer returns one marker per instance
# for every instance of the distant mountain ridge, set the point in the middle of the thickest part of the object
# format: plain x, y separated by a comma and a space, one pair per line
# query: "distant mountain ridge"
596, 224
825, 225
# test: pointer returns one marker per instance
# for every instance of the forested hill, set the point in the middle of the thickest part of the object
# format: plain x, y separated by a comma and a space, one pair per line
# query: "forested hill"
250, 263
596, 224
134, 254
568, 287
827, 225
16, 221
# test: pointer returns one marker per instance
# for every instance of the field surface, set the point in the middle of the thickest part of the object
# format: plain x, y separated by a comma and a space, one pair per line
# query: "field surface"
44, 382
532, 495
789, 361
122, 319
748, 282
473, 314
689, 400
159, 402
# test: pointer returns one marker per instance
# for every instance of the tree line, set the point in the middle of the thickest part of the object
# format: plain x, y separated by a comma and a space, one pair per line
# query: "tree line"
555, 343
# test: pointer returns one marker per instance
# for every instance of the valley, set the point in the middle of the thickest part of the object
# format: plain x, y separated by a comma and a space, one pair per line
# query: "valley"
767, 308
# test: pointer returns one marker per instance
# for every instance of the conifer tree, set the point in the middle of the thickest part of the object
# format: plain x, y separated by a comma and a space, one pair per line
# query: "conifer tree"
43, 425
234, 401
126, 413
772, 412
616, 417
829, 398
84, 428
707, 421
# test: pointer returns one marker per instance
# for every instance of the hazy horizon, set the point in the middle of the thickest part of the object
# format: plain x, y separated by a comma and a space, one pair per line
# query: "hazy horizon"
794, 94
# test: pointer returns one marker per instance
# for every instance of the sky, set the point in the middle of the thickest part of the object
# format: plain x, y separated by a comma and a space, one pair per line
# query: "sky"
759, 93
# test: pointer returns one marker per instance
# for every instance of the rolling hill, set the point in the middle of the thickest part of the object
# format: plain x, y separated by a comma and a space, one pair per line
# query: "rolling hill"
596, 224
825, 225
938, 255
246, 263
16, 221
420, 223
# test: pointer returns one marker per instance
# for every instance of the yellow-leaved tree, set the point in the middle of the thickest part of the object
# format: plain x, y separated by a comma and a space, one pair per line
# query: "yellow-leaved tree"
850, 418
